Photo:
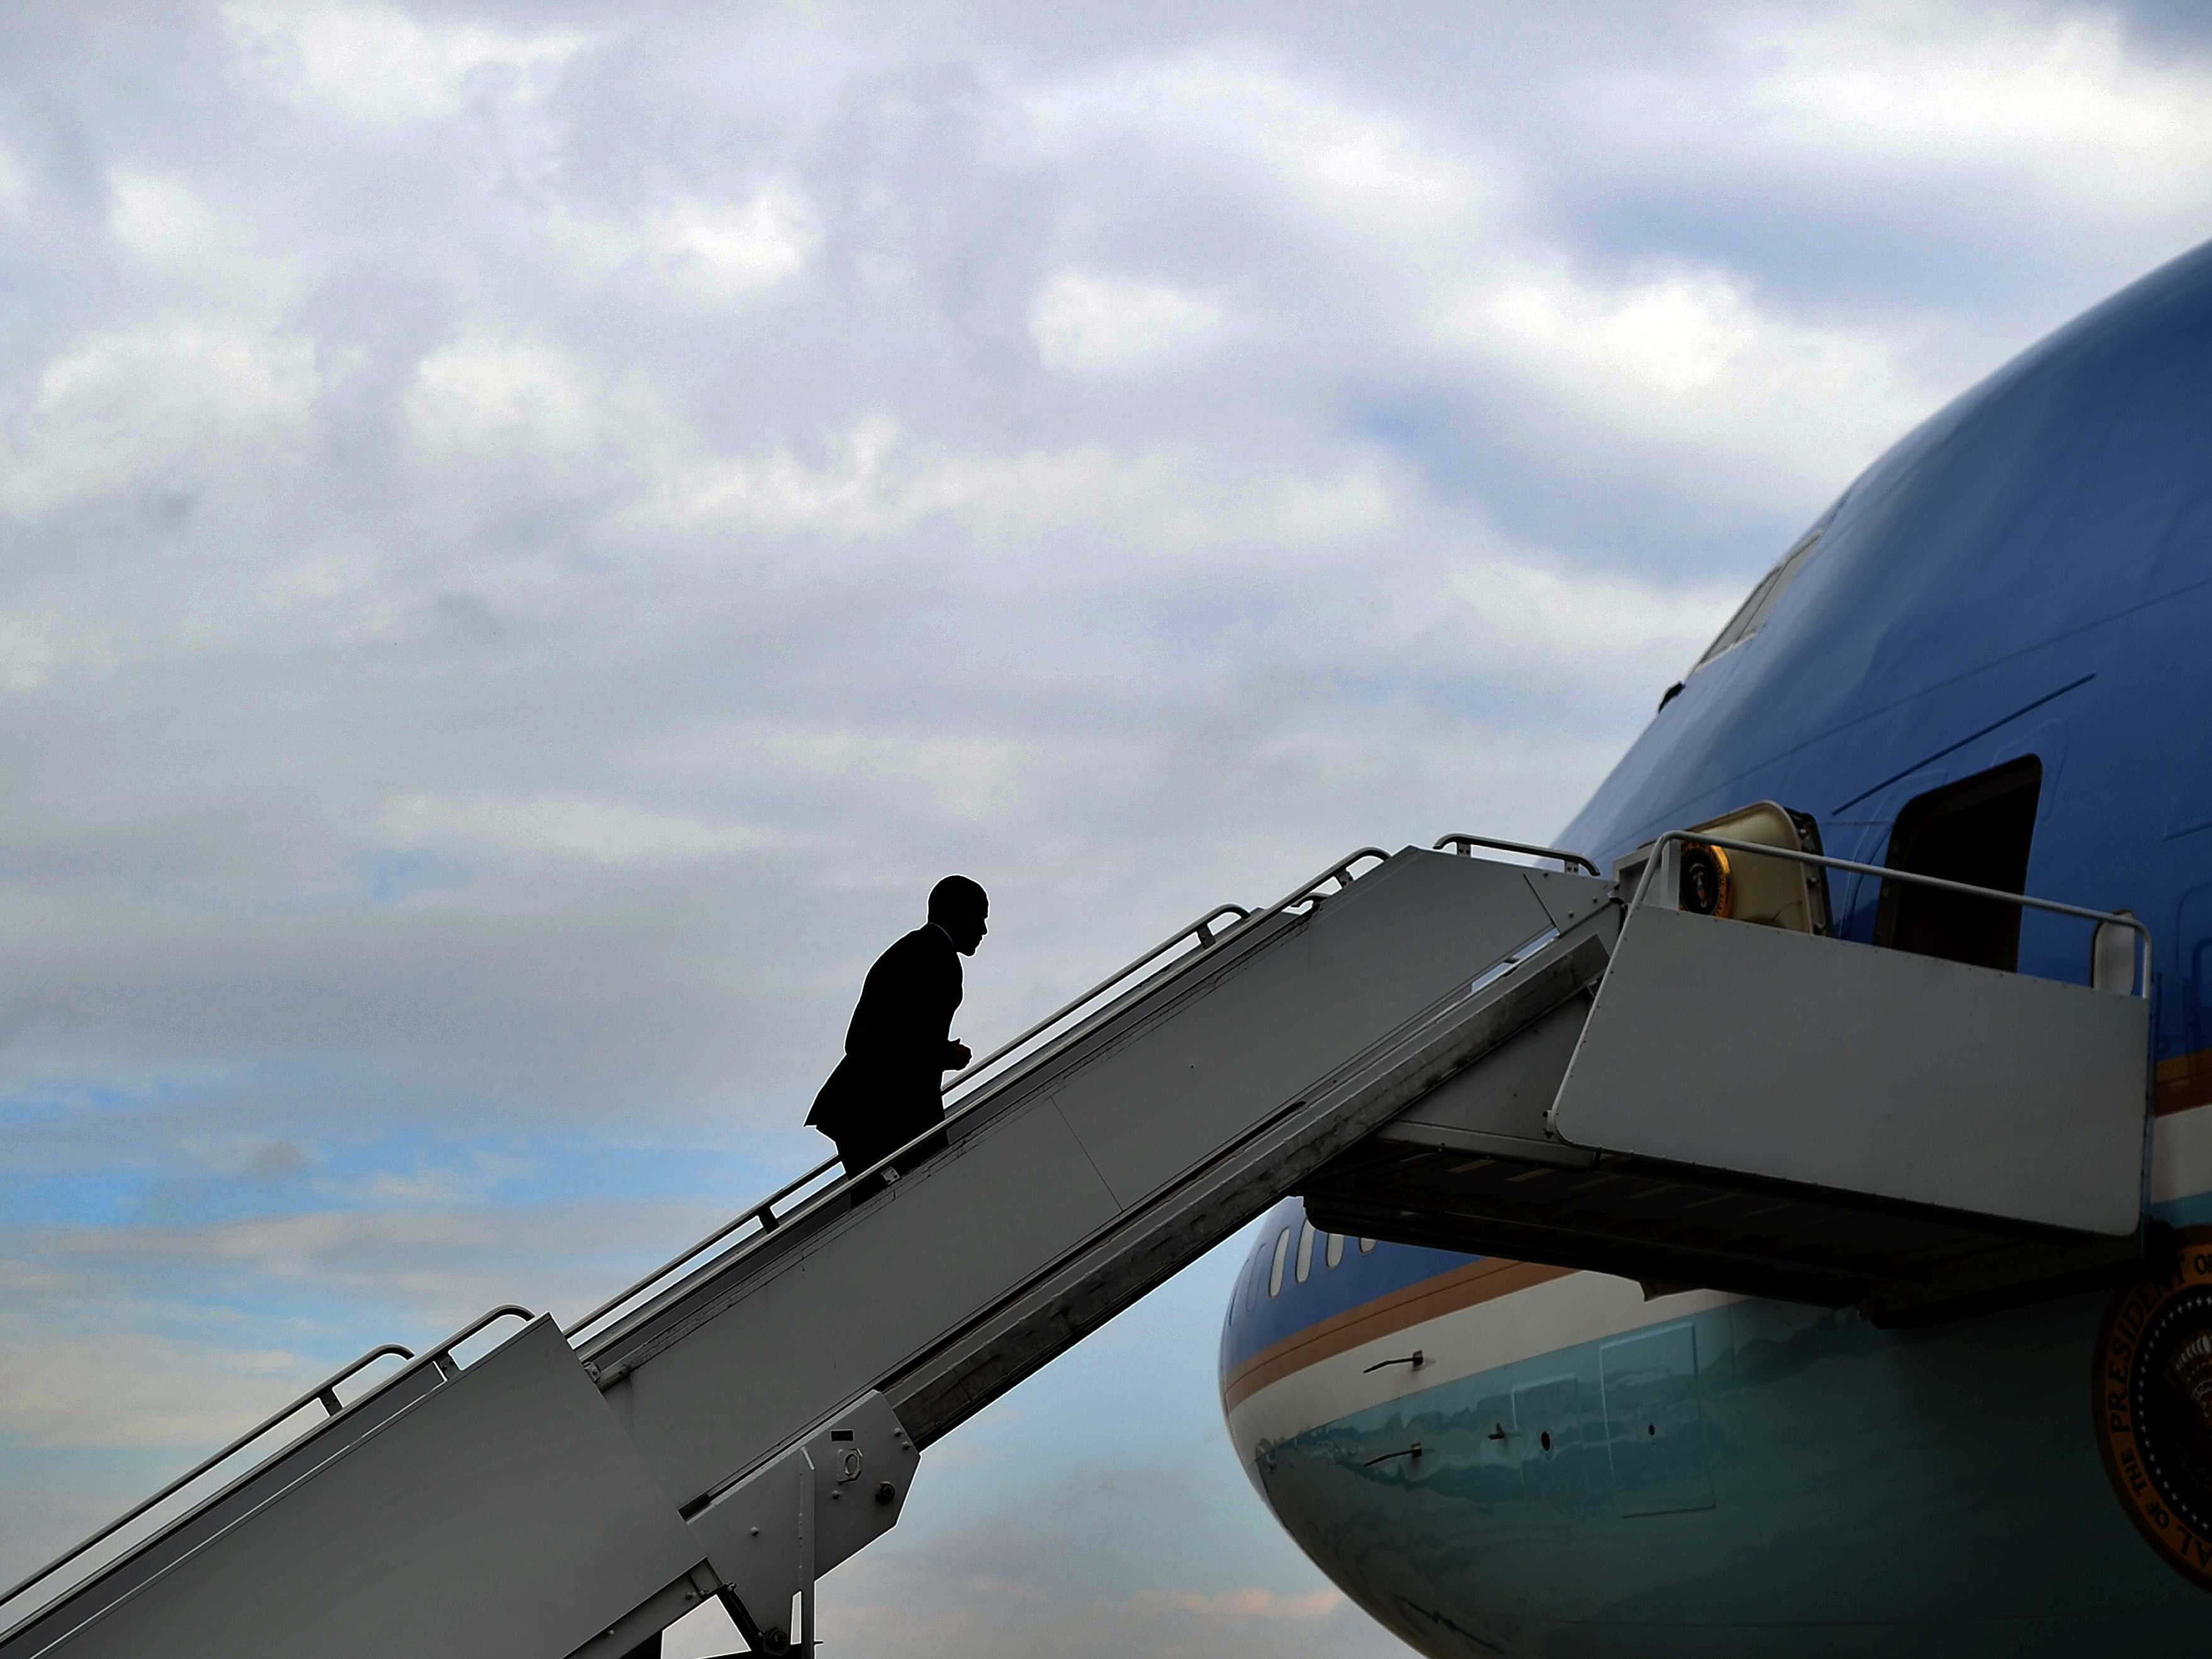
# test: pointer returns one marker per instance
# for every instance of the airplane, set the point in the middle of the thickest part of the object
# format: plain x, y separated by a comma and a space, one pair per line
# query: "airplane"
1792, 1233
1990, 660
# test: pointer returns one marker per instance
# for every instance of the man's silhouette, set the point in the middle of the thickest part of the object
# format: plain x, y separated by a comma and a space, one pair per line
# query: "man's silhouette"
889, 1087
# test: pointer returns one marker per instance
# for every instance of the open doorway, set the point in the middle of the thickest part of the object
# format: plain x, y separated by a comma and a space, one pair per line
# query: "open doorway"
1975, 830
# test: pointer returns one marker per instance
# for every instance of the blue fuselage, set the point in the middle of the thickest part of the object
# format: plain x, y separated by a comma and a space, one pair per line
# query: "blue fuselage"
2027, 574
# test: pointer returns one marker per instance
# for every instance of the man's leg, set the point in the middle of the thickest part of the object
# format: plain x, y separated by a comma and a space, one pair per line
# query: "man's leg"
921, 1155
857, 1154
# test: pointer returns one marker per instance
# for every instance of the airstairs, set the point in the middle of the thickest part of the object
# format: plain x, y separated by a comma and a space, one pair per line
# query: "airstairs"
1443, 1048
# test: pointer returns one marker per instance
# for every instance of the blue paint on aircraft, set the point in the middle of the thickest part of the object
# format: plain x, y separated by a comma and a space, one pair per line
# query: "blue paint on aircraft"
1259, 1320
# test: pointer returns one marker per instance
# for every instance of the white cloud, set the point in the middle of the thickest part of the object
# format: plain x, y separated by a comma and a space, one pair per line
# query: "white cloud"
486, 397
123, 1388
724, 250
2058, 101
376, 63
158, 219
971, 777
1172, 501
15, 186
35, 646
1997, 126
526, 399
563, 827
1095, 325
1365, 163
1252, 1602
122, 408
208, 262
1691, 361
701, 251
1589, 624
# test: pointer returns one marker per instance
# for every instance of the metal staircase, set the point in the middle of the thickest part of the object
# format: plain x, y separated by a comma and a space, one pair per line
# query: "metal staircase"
1439, 1047
1773, 1111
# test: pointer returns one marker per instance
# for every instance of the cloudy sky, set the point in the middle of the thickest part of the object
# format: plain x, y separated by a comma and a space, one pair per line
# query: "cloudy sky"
530, 534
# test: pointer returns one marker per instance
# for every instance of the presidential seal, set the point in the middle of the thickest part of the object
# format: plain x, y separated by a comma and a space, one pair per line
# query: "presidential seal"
2154, 1404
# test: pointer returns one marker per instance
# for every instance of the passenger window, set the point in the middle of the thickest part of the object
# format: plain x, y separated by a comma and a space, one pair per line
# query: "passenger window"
1306, 1251
1275, 1272
1975, 830
1335, 1248
1366, 1245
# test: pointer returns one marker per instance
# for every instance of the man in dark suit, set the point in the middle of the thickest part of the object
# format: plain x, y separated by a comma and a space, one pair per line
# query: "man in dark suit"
889, 1087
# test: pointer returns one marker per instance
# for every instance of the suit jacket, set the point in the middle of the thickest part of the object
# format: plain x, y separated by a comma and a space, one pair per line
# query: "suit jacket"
888, 1086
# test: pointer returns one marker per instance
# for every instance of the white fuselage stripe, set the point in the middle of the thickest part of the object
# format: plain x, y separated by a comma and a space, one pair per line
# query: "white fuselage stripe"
2181, 1155
1543, 1319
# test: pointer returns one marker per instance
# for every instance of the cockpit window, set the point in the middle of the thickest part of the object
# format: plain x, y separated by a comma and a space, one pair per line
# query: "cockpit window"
1751, 616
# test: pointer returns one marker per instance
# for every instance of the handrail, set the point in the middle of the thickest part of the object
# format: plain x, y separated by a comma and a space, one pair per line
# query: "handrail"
764, 1210
1340, 873
1911, 877
444, 1350
324, 1391
1246, 921
1203, 927
1465, 842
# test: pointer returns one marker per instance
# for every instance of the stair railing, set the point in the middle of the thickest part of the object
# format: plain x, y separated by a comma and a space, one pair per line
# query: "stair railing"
1308, 894
764, 1212
1910, 877
324, 1393
1208, 939
1462, 844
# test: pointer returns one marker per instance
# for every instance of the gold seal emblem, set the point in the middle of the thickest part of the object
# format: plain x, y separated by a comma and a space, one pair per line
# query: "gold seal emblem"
2154, 1404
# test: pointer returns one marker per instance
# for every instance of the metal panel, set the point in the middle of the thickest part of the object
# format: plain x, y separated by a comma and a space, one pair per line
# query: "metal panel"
1497, 1106
1569, 898
1653, 1424
1713, 1044
505, 1514
767, 1541
835, 1319
1669, 1222
1368, 961
315, 1447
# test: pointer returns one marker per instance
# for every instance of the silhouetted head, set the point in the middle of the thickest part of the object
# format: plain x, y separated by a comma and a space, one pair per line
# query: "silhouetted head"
959, 907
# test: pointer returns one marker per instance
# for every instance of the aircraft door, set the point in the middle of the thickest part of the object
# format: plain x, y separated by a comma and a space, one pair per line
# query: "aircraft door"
1654, 1428
1976, 830
2184, 1078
